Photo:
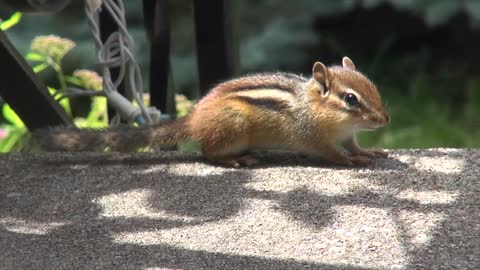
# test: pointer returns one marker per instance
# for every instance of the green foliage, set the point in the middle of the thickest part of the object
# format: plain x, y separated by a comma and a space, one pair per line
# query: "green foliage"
291, 38
10, 22
11, 137
422, 110
12, 134
434, 12
11, 116
184, 106
48, 52
424, 124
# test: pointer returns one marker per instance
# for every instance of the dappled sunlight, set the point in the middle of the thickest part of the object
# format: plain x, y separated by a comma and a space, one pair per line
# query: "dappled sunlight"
445, 164
449, 150
29, 227
319, 215
79, 167
339, 182
404, 158
186, 169
147, 214
428, 196
152, 169
418, 226
161, 268
357, 243
202, 170
134, 203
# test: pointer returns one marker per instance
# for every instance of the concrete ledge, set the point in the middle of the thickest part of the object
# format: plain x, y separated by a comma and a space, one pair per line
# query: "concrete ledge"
418, 209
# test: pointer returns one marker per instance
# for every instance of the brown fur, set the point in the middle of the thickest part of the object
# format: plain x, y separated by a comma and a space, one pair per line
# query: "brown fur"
271, 110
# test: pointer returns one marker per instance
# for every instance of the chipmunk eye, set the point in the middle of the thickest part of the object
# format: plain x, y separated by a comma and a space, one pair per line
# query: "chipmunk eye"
350, 99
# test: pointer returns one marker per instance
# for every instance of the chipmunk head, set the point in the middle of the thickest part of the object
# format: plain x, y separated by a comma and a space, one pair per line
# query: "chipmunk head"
350, 94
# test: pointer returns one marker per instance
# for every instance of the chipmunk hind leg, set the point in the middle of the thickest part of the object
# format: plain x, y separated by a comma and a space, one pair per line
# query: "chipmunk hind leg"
227, 149
227, 146
230, 156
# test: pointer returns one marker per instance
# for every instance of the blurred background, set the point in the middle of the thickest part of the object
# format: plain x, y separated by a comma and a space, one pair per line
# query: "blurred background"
422, 54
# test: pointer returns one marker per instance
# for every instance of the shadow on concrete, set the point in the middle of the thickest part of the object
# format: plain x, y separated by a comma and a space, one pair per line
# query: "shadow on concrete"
51, 188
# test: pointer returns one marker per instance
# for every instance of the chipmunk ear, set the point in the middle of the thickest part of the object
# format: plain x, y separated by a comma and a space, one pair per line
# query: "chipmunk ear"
348, 63
321, 74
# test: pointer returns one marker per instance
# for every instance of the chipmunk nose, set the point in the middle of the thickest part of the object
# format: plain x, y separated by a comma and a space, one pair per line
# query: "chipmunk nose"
387, 118
383, 119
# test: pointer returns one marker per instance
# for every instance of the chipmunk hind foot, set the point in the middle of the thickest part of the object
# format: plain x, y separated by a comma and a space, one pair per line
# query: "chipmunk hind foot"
229, 154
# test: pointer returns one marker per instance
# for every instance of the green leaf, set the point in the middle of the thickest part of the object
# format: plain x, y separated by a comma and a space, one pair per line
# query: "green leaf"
15, 135
98, 114
32, 56
64, 102
40, 67
11, 116
10, 22
73, 80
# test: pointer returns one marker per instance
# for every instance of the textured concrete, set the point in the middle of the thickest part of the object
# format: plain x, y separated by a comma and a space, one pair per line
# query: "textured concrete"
418, 209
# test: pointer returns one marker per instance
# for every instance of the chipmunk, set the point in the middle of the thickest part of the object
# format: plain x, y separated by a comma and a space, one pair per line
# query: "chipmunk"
272, 110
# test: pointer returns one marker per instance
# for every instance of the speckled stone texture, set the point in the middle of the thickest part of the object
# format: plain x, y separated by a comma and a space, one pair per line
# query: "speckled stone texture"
417, 209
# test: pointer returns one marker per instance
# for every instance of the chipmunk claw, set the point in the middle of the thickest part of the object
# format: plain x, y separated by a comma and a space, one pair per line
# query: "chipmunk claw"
377, 153
237, 162
247, 160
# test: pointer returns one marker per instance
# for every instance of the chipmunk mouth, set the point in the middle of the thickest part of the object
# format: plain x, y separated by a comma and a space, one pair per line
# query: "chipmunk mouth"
376, 122
371, 125
368, 128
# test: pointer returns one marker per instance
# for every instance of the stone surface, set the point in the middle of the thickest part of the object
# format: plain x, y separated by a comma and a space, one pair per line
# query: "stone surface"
417, 209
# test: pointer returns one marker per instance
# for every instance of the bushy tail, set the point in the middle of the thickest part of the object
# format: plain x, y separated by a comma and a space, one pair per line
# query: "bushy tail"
121, 139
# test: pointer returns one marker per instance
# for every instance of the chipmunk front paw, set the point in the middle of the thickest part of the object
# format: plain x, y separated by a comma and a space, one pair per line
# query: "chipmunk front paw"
360, 161
372, 153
